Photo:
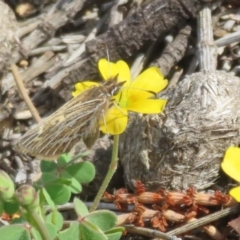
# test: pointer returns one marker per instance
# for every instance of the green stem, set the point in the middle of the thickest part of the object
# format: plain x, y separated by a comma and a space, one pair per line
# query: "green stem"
111, 171
40, 225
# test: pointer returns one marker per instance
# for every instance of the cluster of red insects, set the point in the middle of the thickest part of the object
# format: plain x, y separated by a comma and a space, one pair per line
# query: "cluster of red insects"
166, 206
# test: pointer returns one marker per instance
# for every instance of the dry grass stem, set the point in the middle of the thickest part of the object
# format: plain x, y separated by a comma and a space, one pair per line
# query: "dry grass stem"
24, 94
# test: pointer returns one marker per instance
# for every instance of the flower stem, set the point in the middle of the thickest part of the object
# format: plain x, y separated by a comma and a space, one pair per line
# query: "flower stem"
40, 225
111, 171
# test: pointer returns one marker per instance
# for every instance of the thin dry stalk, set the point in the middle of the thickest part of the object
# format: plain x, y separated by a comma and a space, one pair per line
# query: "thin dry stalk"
24, 94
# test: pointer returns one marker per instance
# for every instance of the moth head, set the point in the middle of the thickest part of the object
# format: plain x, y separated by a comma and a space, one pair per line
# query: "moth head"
113, 86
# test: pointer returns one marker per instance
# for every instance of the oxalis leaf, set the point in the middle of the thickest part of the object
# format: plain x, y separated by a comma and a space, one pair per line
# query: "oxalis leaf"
59, 193
114, 233
56, 219
84, 172
47, 198
74, 185
10, 207
104, 219
50, 228
64, 159
89, 231
80, 208
14, 232
48, 166
72, 233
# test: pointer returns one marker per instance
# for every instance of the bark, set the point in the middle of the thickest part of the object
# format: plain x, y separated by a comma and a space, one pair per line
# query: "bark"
142, 27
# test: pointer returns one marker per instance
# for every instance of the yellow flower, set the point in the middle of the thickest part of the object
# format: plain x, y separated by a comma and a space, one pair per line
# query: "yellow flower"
136, 95
231, 166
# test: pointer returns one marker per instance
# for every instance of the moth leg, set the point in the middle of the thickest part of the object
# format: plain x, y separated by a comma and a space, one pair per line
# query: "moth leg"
104, 120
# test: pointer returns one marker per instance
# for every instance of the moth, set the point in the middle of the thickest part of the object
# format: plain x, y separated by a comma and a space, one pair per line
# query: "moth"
77, 119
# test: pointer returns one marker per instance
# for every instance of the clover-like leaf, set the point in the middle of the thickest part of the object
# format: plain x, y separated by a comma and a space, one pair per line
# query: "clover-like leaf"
52, 230
89, 231
84, 172
64, 159
74, 184
7, 187
56, 219
48, 198
104, 219
35, 234
48, 178
114, 233
59, 193
13, 232
80, 208
48, 166
10, 207
71, 233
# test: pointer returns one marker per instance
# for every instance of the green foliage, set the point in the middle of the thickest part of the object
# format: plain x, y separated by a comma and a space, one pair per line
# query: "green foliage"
6, 187
96, 225
58, 181
15, 232
10, 207
64, 177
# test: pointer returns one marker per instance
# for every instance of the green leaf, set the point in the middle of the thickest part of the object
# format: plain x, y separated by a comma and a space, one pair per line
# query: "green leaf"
80, 208
114, 233
56, 219
48, 178
71, 233
59, 193
48, 166
51, 229
73, 184
64, 159
1, 207
19, 220
104, 219
7, 187
14, 232
11, 207
84, 172
35, 234
48, 198
89, 231
64, 180
75, 187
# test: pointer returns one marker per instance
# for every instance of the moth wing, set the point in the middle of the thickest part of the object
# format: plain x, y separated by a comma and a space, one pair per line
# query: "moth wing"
57, 134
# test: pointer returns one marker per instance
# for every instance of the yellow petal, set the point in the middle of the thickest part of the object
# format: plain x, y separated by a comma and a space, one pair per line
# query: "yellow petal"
231, 163
124, 72
108, 69
82, 86
128, 95
235, 193
150, 80
147, 106
115, 121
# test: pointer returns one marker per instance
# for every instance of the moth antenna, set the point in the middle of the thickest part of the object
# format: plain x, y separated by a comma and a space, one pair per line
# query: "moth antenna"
108, 58
107, 53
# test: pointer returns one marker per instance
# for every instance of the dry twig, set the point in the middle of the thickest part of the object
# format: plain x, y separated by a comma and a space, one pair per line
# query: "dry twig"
24, 94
